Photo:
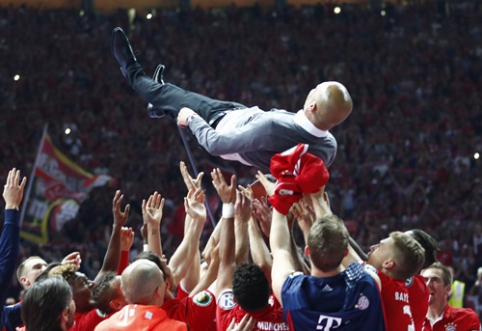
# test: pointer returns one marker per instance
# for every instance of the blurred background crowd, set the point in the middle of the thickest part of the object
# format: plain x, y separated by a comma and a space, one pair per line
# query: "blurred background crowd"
408, 154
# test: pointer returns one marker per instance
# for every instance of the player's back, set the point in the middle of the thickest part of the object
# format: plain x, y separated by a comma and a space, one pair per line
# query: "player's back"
348, 301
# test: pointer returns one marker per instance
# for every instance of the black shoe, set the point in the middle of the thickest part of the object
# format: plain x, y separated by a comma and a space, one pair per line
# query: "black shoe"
157, 77
122, 50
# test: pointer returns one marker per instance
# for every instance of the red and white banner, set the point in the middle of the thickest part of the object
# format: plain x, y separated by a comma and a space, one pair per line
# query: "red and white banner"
55, 191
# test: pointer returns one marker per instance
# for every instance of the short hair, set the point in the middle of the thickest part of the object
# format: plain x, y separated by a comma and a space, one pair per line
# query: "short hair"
446, 274
153, 257
410, 257
429, 244
103, 293
251, 288
66, 271
328, 242
21, 267
140, 280
44, 303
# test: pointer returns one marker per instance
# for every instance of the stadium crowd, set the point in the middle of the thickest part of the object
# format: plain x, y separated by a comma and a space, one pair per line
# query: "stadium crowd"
407, 157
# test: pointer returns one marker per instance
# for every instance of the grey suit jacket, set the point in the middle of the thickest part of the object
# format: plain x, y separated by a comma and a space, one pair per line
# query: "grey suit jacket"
258, 137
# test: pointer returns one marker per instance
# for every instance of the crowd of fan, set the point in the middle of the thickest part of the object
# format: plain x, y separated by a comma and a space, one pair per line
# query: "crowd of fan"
406, 153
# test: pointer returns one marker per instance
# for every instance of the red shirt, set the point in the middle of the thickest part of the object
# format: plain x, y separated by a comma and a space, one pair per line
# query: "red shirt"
419, 296
396, 305
454, 319
87, 321
270, 318
198, 312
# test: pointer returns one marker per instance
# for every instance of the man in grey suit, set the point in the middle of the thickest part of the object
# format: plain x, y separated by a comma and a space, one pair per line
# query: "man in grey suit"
234, 131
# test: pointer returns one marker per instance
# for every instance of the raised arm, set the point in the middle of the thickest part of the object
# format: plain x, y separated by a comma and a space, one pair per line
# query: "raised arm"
259, 250
112, 256
227, 244
152, 214
184, 254
242, 214
279, 239
191, 279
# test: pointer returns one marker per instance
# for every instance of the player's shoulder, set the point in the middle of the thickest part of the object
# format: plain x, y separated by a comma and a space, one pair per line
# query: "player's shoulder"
465, 313
203, 299
226, 300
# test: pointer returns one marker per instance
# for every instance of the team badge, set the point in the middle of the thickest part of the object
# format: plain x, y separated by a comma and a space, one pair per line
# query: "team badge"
203, 299
363, 303
409, 282
451, 327
226, 301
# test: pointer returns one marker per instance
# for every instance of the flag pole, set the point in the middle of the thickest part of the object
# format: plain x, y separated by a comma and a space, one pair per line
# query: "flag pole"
32, 174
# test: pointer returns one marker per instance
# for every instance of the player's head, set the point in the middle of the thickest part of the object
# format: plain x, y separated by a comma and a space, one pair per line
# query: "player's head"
328, 104
428, 243
251, 288
29, 269
327, 243
107, 295
398, 256
48, 306
79, 283
143, 283
439, 281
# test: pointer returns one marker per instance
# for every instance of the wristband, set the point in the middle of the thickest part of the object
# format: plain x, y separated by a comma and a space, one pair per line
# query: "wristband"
145, 248
228, 210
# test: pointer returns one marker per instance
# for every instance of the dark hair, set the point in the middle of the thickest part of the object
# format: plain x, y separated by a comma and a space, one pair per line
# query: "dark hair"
429, 244
44, 303
153, 258
251, 288
103, 293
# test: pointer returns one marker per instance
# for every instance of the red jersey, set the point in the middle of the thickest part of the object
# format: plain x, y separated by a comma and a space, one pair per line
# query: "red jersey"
141, 318
454, 319
270, 318
87, 321
419, 296
396, 304
181, 293
198, 312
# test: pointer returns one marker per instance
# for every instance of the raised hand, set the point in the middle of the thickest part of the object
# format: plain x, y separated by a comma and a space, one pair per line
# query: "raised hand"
267, 184
152, 209
194, 204
73, 258
120, 217
127, 238
13, 189
190, 182
246, 324
304, 214
242, 207
248, 192
264, 214
321, 203
225, 192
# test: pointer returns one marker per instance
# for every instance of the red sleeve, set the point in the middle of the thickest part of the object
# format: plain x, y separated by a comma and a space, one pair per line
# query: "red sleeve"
124, 262
87, 321
181, 293
225, 310
201, 311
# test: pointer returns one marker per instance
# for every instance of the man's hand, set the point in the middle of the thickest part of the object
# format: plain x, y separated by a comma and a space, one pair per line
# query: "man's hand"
267, 184
226, 193
304, 214
247, 192
190, 182
152, 209
246, 324
264, 214
183, 115
242, 207
13, 189
321, 203
73, 258
194, 204
120, 217
127, 238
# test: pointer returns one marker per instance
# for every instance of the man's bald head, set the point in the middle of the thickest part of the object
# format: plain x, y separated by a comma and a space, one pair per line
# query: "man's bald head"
143, 283
328, 105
